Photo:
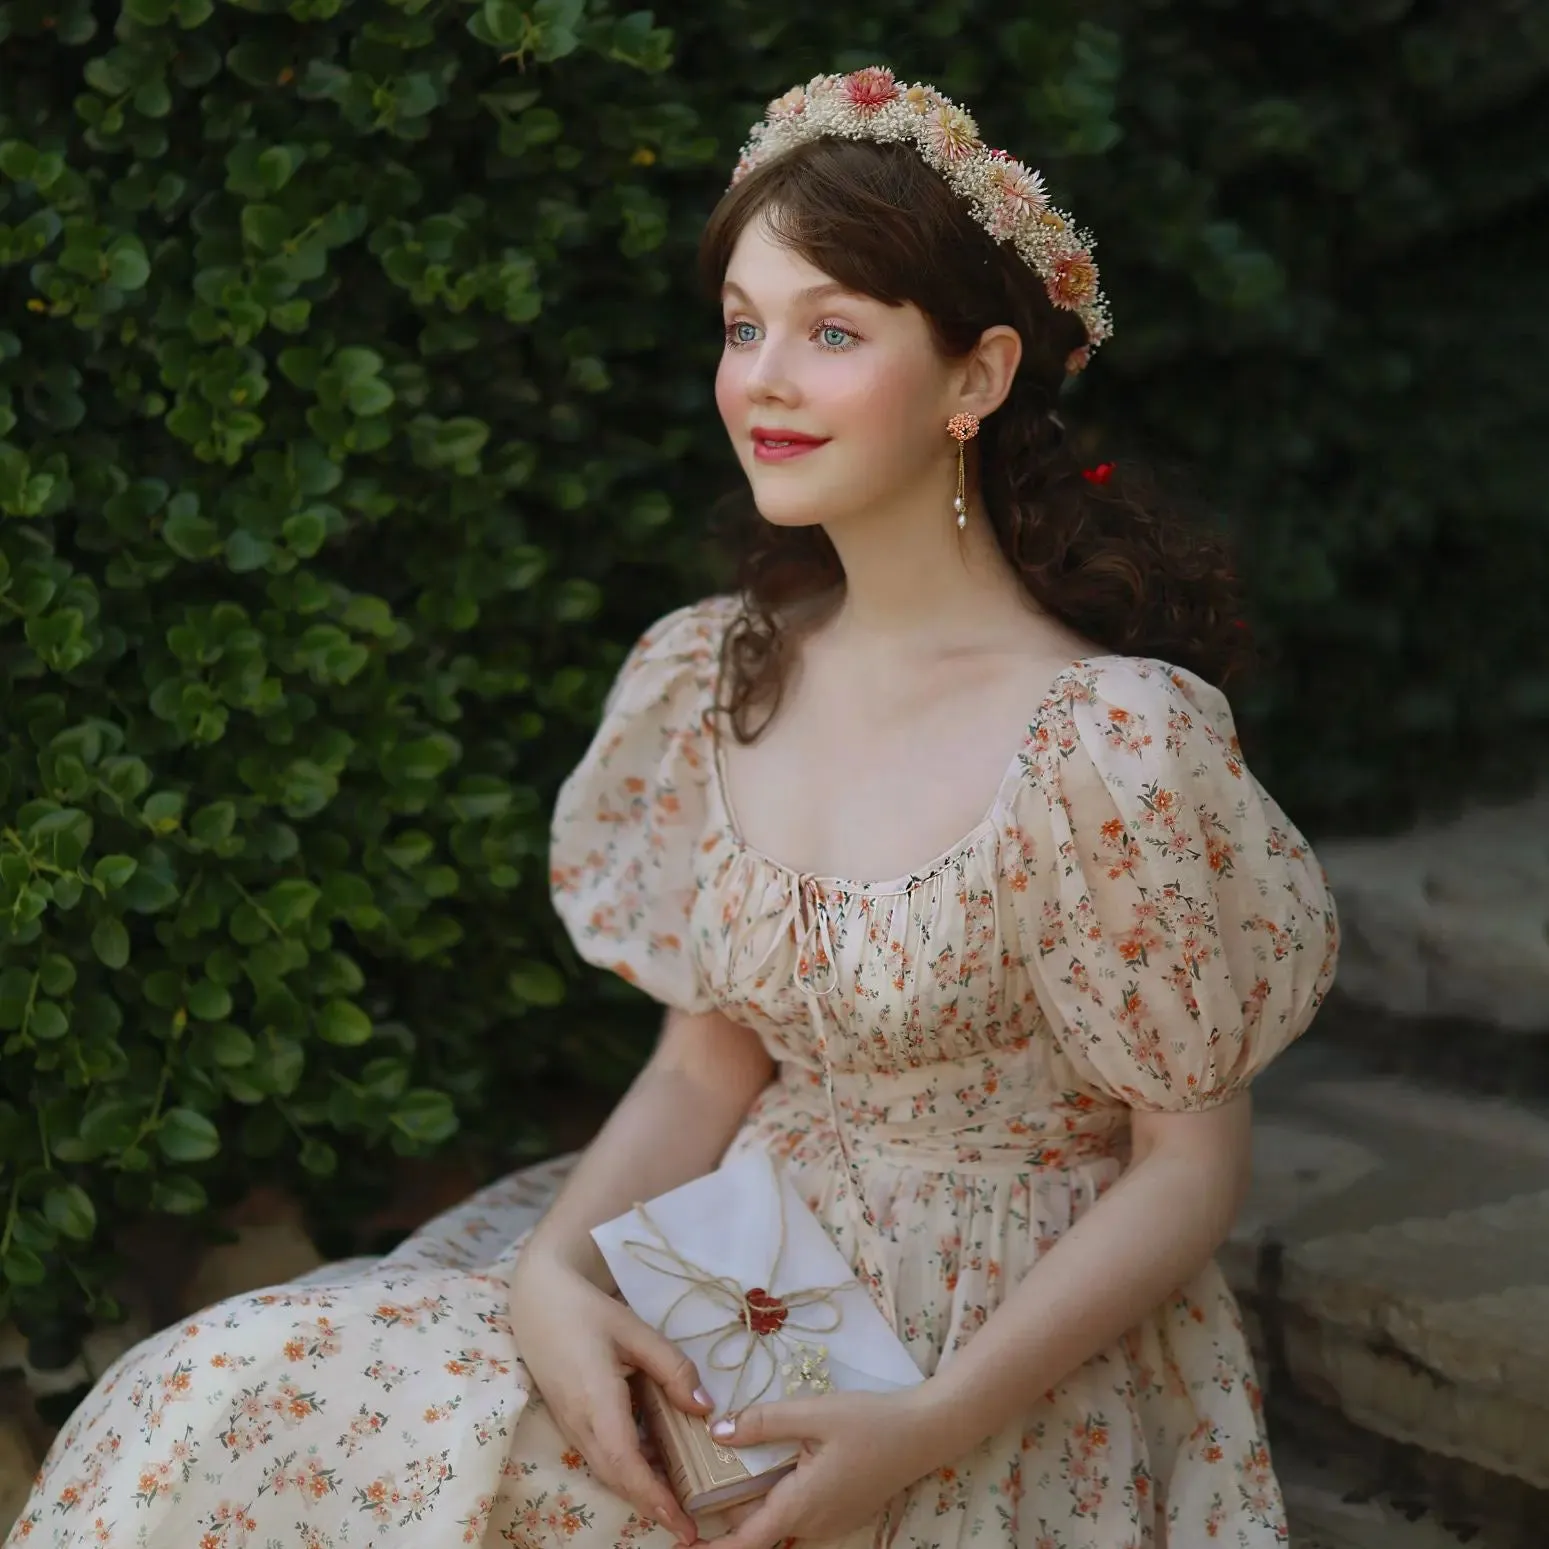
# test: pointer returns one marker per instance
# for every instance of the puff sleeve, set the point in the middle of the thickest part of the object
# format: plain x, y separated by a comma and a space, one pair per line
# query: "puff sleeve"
1178, 931
629, 819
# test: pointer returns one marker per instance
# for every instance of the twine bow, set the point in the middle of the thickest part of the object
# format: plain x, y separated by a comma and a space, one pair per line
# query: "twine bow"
758, 1319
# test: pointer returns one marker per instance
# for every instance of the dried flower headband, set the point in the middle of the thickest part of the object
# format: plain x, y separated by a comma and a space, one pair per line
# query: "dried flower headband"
1006, 198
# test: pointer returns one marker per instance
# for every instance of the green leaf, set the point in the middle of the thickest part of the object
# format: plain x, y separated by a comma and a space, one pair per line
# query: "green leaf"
127, 264
31, 1229
537, 983
152, 98
305, 531
127, 778
17, 160
178, 1195
114, 871
230, 1047
291, 317
425, 1116
505, 19
110, 941
291, 903
56, 974
111, 1124
354, 364
164, 811
213, 823
208, 1001
15, 996
423, 759
341, 1021
48, 1023
302, 365
69, 1210
276, 165
246, 551
22, 1266
369, 396
318, 1158
187, 1136
248, 926
460, 439
190, 535
264, 226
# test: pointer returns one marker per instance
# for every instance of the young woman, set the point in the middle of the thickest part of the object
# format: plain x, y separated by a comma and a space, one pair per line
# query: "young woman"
937, 846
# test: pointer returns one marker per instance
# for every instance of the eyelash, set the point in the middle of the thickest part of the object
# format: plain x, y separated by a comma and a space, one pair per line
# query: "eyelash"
733, 343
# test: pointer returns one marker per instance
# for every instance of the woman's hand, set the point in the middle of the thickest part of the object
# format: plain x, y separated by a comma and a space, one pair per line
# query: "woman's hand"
580, 1346
859, 1450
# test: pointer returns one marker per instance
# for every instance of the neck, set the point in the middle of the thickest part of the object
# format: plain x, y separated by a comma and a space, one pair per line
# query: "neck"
912, 576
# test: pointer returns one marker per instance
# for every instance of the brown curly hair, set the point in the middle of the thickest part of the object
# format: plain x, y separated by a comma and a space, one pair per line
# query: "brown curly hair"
1113, 561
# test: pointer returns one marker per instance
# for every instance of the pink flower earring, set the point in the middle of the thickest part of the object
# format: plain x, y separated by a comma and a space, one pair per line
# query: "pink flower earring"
962, 428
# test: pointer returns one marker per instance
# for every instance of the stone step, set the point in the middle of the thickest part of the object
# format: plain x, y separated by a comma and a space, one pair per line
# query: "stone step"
1332, 1506
1393, 1262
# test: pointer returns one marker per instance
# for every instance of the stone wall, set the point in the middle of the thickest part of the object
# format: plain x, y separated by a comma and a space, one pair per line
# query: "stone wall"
1450, 920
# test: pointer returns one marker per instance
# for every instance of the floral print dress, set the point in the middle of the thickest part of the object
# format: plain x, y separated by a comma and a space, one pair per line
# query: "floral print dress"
1133, 925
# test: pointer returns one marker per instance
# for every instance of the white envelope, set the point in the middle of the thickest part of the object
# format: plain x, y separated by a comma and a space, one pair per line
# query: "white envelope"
728, 1223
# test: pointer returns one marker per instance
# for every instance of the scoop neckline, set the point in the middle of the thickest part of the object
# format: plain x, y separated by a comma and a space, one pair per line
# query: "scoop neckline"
885, 887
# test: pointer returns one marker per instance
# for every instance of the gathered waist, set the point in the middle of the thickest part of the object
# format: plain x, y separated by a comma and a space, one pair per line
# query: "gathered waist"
971, 1115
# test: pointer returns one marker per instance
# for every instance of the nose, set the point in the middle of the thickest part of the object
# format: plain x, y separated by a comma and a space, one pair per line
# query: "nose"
768, 378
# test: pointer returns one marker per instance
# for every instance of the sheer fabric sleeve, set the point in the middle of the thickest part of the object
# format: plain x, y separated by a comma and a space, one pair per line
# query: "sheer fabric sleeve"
1178, 931
630, 817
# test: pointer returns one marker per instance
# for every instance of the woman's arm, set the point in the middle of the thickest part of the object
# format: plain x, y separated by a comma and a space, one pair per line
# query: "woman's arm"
578, 1343
673, 1125
1148, 1235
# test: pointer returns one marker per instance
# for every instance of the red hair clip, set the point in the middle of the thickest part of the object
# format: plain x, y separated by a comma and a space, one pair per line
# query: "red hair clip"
1098, 475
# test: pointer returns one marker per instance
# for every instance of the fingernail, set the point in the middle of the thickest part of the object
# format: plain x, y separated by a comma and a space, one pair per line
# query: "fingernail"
724, 1430
703, 1399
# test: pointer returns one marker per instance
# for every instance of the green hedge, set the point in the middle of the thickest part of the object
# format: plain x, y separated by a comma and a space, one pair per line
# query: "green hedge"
355, 410
328, 393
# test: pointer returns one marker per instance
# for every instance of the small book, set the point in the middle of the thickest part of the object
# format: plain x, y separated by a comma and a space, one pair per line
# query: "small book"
704, 1475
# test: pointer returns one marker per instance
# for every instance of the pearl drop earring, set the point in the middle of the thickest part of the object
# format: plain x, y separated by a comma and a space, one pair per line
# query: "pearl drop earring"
962, 428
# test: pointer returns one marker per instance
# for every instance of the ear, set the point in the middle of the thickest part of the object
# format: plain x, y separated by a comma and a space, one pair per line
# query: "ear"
989, 370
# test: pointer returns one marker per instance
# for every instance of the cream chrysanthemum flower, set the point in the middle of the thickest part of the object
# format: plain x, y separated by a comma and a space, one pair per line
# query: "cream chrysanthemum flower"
953, 134
789, 104
1020, 188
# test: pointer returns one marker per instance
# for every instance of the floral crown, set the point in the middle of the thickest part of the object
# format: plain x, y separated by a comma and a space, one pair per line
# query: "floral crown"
1006, 198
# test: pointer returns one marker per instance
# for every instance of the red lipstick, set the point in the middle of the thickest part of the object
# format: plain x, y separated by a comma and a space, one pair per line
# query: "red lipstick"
774, 445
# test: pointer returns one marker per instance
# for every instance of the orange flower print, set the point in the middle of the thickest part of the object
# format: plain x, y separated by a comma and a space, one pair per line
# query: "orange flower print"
473, 1523
1136, 945
1215, 1515
1084, 1464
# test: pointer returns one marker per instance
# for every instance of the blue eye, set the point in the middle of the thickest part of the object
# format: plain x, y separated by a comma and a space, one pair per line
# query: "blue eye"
735, 336
833, 337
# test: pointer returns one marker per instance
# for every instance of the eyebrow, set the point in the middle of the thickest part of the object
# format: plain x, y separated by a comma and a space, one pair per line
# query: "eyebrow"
811, 293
